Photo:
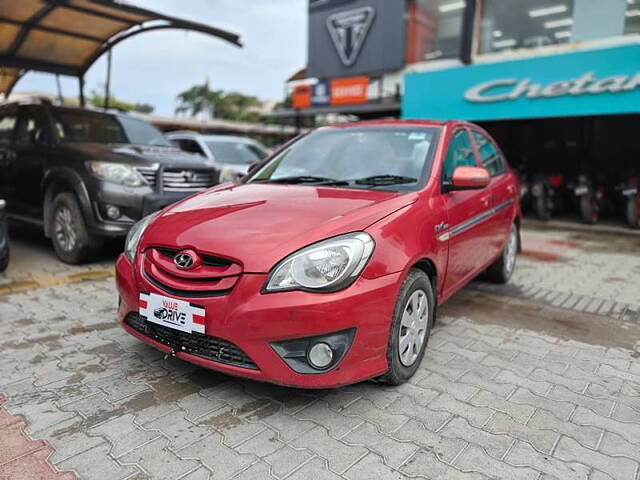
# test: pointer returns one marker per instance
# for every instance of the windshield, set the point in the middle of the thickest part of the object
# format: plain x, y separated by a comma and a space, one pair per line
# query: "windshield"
236, 153
96, 127
86, 126
140, 132
367, 157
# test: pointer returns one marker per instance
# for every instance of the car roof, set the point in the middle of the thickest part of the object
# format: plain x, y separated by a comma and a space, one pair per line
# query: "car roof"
210, 137
396, 123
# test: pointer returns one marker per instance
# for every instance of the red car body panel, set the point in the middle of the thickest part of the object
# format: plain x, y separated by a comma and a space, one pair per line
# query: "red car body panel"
456, 235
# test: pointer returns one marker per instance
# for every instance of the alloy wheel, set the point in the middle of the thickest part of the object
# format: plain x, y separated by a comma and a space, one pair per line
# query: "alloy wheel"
64, 229
413, 327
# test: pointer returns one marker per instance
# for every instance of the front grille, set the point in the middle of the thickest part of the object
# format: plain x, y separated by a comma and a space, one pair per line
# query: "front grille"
149, 174
205, 346
186, 293
178, 180
208, 260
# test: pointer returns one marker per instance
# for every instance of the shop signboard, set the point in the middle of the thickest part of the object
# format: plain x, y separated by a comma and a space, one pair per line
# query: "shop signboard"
301, 96
346, 91
321, 95
355, 37
594, 82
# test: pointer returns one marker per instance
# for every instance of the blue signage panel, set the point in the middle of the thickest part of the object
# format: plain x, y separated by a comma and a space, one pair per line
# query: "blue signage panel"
595, 82
320, 94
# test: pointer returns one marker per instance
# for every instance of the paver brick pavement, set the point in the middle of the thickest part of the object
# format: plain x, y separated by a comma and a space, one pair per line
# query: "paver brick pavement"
510, 388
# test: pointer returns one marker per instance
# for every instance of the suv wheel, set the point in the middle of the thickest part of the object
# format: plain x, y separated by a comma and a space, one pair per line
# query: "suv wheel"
69, 234
410, 328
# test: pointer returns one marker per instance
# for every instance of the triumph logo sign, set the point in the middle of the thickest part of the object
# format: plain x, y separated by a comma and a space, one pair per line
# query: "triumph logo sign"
349, 31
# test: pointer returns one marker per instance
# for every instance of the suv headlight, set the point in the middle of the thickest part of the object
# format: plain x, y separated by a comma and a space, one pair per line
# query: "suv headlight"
116, 173
326, 266
134, 235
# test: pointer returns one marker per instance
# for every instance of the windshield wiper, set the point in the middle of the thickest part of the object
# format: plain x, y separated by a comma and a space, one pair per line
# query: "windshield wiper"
304, 179
385, 180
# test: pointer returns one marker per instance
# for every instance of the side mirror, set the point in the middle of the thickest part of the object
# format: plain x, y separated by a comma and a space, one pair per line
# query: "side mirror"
469, 178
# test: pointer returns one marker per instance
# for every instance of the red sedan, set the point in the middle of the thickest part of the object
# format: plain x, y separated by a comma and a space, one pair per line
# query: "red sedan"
325, 265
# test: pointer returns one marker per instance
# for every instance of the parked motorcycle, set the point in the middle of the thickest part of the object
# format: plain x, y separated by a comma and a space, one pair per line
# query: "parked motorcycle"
545, 196
630, 191
589, 198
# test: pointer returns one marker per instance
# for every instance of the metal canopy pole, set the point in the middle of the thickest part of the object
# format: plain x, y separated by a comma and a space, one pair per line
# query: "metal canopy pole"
107, 86
59, 89
81, 88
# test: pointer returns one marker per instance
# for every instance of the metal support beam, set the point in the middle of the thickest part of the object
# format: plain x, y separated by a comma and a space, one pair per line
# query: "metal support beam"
107, 86
60, 97
81, 90
468, 32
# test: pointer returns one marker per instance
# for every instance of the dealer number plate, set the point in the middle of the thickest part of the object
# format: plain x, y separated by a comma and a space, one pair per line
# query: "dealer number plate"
172, 313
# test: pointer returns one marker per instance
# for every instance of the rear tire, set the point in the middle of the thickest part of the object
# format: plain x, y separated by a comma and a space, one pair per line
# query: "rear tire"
4, 262
411, 324
588, 210
502, 269
541, 206
71, 240
633, 212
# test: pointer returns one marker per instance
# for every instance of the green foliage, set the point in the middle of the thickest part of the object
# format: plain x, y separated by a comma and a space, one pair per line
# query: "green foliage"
218, 104
97, 100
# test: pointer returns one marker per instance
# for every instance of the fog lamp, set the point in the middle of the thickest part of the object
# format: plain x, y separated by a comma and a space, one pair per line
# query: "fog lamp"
320, 355
112, 212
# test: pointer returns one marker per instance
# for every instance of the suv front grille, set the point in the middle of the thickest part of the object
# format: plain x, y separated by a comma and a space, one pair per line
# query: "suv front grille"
149, 174
178, 180
205, 346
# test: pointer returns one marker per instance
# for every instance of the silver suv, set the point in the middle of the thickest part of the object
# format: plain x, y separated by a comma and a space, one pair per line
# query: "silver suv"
231, 155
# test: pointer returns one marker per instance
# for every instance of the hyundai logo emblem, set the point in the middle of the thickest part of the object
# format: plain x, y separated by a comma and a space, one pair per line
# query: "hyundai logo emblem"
183, 261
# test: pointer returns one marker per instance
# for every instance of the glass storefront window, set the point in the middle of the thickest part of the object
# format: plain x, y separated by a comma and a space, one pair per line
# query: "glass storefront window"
632, 18
526, 24
517, 24
434, 29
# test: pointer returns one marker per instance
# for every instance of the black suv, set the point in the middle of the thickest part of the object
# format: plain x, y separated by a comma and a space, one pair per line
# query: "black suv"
84, 175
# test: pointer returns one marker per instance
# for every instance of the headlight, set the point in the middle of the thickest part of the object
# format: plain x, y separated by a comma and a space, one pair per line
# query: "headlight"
325, 266
116, 173
134, 235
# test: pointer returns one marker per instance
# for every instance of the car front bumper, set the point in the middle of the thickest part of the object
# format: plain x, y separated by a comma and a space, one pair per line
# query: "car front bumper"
134, 203
254, 322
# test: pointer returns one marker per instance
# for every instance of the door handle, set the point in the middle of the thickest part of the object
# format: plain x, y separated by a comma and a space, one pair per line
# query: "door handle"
487, 200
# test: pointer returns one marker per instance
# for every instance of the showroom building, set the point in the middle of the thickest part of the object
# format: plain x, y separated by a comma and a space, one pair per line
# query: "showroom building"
557, 82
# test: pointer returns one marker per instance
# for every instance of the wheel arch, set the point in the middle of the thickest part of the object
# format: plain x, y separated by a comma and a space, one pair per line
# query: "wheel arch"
58, 181
428, 267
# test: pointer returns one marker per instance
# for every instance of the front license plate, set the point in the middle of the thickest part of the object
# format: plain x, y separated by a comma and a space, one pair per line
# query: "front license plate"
630, 191
172, 313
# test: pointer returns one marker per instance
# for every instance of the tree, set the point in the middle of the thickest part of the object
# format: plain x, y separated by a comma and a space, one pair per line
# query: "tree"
201, 99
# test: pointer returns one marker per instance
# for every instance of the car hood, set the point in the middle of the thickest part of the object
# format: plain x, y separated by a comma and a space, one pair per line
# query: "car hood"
136, 154
257, 225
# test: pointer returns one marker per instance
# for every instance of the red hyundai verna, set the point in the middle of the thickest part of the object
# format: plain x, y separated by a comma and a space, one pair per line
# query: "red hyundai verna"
325, 265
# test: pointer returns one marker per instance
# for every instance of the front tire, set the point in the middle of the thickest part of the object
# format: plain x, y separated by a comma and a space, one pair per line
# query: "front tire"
588, 209
542, 208
633, 211
502, 269
411, 324
71, 240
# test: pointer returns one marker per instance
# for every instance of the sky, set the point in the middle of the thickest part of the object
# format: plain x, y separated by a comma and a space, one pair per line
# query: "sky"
155, 66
